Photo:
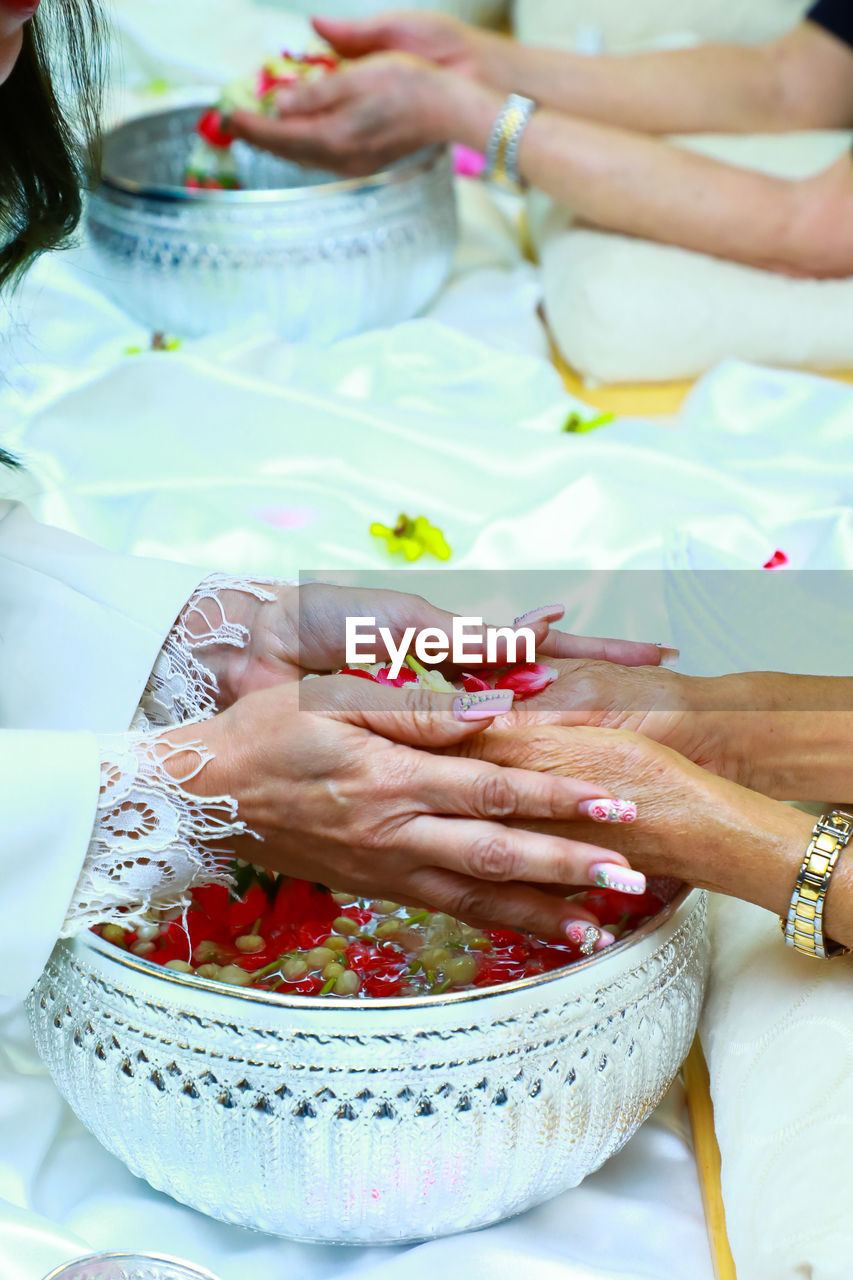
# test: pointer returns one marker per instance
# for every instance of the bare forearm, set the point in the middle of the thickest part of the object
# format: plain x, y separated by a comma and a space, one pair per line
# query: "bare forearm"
801, 81
791, 736
645, 187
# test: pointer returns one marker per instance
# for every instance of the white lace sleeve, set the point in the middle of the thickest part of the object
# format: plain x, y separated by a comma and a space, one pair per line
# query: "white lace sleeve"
181, 686
154, 840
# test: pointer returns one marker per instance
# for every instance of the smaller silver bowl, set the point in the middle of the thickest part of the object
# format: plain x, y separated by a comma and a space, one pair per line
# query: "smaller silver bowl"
314, 256
129, 1266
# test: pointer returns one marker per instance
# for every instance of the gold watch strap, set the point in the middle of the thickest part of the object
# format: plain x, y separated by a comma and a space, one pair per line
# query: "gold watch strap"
803, 928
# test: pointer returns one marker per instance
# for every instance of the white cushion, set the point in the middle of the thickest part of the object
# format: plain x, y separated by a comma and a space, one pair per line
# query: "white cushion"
622, 25
627, 310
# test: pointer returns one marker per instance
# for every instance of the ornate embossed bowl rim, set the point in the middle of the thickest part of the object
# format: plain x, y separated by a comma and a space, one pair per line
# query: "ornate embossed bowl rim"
610, 963
191, 1271
400, 172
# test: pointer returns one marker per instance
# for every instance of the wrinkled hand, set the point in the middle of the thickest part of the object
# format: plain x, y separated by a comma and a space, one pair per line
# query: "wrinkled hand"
438, 38
327, 775
692, 825
355, 121
672, 709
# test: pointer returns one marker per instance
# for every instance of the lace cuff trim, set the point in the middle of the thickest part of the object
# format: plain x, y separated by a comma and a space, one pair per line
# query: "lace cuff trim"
181, 686
153, 839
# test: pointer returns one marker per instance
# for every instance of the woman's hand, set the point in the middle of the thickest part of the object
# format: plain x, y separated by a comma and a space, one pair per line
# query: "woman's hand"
691, 825
681, 712
435, 37
336, 802
787, 736
355, 121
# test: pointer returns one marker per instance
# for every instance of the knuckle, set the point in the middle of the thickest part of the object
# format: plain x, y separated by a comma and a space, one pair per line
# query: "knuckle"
472, 902
492, 858
494, 796
420, 705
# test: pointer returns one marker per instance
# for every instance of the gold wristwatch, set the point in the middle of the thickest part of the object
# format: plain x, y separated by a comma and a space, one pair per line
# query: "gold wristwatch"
803, 928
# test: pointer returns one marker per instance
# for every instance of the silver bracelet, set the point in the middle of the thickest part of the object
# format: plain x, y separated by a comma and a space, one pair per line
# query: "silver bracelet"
505, 142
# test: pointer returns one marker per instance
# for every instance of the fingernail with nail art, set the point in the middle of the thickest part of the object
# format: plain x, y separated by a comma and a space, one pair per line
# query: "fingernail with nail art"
484, 705
583, 935
606, 940
551, 612
611, 875
608, 810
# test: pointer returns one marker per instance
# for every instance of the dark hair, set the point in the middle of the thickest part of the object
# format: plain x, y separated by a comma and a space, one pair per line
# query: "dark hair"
7, 460
49, 110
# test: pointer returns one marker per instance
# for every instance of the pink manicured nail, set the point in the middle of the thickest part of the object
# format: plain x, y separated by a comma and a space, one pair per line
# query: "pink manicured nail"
553, 612
483, 706
608, 810
668, 656
606, 940
610, 875
583, 935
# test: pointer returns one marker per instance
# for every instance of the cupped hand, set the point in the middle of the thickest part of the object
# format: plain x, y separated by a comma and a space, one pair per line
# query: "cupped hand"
702, 829
328, 774
355, 121
436, 37
303, 630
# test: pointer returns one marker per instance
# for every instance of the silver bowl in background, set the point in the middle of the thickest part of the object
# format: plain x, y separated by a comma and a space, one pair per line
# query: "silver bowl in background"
315, 256
128, 1266
371, 1122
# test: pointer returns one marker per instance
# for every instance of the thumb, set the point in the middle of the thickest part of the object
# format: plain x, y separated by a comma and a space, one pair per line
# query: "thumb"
411, 715
355, 38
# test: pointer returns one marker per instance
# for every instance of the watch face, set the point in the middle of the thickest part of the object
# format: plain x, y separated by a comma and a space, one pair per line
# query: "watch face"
840, 822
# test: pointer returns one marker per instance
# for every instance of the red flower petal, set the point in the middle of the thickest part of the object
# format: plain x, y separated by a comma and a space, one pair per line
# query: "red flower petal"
527, 680
210, 128
406, 676
777, 561
473, 684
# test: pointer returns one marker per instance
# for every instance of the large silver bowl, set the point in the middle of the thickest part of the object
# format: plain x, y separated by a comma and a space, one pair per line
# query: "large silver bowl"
371, 1122
315, 256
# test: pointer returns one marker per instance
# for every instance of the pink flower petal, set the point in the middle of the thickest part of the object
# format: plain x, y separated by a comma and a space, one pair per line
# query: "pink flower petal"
287, 517
468, 163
